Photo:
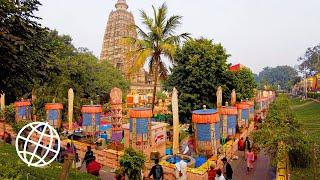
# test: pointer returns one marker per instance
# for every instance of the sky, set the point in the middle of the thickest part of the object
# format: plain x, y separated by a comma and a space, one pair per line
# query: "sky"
257, 33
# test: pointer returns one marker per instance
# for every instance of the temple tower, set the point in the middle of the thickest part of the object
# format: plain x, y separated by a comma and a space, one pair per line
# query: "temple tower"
118, 26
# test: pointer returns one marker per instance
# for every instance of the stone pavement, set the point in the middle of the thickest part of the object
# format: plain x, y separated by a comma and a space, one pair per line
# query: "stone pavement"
261, 170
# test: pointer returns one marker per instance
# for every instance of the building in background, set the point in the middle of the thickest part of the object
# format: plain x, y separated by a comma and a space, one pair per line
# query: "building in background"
119, 25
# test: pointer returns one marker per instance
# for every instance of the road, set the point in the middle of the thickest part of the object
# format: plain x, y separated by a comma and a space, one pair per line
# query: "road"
261, 170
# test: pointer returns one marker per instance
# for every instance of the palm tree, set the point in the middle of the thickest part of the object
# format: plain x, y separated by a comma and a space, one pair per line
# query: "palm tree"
159, 41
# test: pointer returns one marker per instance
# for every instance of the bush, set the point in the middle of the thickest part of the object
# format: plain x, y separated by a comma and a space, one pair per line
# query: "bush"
10, 114
132, 162
18, 126
11, 167
314, 95
280, 126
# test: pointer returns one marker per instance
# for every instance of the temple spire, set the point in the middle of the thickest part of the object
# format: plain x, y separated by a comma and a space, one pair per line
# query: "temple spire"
121, 4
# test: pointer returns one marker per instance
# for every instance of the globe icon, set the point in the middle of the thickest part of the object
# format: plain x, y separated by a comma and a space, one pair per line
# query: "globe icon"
47, 141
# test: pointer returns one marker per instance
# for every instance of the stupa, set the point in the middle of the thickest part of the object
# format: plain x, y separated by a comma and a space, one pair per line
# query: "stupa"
119, 25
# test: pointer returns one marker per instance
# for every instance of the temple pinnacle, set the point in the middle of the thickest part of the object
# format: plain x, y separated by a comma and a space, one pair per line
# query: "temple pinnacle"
122, 4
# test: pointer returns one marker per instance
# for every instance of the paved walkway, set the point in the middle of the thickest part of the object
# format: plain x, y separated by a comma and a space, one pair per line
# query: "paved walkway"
261, 170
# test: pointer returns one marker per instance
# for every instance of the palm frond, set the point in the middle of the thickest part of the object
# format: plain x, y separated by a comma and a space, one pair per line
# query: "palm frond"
161, 16
141, 59
172, 23
168, 49
146, 20
140, 32
155, 14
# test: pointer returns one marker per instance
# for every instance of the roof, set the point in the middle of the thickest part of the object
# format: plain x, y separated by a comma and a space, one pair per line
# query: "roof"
235, 67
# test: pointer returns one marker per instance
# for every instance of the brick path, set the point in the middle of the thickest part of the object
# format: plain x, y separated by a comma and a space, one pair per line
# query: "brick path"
261, 170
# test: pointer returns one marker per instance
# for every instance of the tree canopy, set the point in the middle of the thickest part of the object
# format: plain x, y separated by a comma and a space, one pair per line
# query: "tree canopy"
80, 70
310, 61
37, 60
244, 83
200, 68
23, 53
284, 76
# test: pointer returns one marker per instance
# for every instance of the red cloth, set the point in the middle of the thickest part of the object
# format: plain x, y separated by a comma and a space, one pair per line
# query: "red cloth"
211, 174
93, 167
241, 145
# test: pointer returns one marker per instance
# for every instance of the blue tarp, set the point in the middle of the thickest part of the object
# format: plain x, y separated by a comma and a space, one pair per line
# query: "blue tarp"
169, 151
141, 125
203, 132
204, 111
87, 119
199, 161
232, 124
245, 114
53, 114
105, 127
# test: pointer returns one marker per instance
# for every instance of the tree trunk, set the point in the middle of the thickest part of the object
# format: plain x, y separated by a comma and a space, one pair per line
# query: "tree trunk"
155, 85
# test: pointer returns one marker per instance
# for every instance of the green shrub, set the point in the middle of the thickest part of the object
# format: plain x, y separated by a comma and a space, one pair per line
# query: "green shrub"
19, 125
10, 114
314, 95
132, 162
11, 167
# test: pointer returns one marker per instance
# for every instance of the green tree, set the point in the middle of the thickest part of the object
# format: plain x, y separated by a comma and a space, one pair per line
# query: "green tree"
133, 162
159, 40
23, 53
244, 82
284, 76
77, 69
200, 68
310, 61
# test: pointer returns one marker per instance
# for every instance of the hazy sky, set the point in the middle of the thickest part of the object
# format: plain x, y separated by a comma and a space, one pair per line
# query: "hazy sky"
257, 33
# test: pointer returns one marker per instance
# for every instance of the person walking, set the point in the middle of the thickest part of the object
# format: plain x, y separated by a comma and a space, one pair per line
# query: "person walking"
247, 145
156, 171
250, 160
227, 169
241, 147
212, 172
219, 175
88, 156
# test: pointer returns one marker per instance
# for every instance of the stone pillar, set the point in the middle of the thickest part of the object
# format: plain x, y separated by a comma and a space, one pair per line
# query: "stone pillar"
116, 114
219, 97
70, 108
175, 113
2, 101
233, 97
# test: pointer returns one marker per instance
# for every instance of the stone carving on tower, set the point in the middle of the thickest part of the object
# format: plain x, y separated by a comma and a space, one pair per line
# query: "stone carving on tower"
119, 25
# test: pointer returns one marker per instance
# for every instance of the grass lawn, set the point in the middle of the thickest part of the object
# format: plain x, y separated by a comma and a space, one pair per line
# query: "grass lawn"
309, 116
297, 101
11, 167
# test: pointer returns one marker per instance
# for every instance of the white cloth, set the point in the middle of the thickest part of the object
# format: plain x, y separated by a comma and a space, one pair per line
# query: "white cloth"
181, 166
219, 178
186, 150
